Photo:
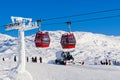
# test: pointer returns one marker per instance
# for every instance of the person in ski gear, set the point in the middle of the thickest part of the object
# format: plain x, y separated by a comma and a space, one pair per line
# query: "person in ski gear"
35, 59
27, 59
40, 59
106, 62
103, 63
3, 59
15, 59
83, 63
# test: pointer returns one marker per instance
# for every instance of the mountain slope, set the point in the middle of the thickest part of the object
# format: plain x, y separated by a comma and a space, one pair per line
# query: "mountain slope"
89, 46
88, 72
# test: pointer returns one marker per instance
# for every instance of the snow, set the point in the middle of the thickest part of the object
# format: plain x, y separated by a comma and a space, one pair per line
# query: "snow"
90, 48
88, 72
59, 72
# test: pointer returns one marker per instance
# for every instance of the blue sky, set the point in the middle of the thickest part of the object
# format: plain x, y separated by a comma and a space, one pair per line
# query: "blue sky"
36, 9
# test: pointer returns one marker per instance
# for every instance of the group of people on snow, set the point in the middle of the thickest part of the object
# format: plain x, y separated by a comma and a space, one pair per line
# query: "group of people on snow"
33, 59
66, 56
106, 62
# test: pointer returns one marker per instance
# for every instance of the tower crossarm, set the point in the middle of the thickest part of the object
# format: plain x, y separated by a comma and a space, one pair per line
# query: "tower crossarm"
21, 23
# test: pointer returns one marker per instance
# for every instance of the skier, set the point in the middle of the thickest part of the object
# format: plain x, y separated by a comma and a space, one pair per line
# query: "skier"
15, 59
106, 62
3, 59
83, 63
101, 62
40, 59
27, 59
35, 59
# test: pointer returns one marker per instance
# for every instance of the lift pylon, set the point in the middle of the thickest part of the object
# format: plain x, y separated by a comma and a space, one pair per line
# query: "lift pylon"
22, 24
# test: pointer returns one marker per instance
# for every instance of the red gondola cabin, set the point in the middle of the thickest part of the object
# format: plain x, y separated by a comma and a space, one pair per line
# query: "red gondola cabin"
42, 39
68, 41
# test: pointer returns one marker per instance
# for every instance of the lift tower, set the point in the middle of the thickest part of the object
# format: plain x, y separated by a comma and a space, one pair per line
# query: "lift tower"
21, 24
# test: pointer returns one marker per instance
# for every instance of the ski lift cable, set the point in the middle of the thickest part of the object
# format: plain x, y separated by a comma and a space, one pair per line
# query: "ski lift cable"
76, 21
99, 18
84, 20
95, 12
84, 14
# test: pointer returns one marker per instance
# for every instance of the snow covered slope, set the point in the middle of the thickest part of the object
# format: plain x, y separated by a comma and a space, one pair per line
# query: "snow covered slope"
60, 72
88, 72
89, 47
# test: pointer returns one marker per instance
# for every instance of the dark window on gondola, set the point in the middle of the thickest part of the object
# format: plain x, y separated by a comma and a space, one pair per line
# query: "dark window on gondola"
45, 39
38, 39
64, 41
72, 40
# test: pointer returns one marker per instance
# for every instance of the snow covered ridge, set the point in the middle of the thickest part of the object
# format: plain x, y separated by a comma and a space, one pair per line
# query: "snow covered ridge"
89, 46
